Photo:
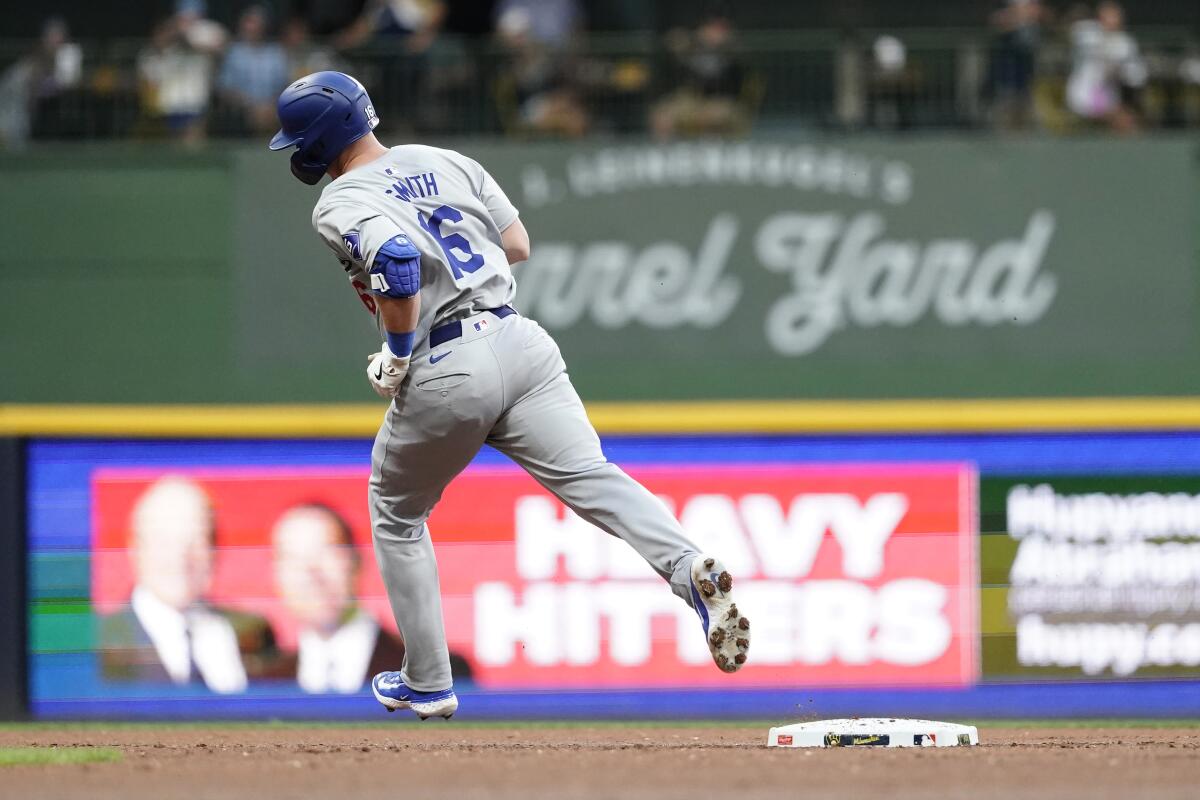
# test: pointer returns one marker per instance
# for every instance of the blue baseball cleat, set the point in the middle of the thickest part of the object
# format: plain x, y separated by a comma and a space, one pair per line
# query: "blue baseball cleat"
390, 691
727, 632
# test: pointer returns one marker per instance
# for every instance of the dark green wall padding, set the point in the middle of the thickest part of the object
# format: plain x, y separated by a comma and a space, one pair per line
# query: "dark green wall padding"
150, 275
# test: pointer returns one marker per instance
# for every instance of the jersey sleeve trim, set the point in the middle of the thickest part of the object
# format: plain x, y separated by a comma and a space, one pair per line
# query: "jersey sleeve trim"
505, 226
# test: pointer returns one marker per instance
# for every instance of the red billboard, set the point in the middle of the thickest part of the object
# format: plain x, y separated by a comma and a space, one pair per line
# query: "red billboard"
851, 574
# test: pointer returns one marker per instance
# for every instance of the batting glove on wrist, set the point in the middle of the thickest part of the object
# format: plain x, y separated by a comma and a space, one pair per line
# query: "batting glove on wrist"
386, 371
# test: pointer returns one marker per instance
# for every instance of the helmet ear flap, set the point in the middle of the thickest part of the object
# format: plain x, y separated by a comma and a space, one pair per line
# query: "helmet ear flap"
306, 171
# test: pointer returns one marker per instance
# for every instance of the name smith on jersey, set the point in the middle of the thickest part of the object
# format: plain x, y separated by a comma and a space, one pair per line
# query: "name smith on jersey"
407, 187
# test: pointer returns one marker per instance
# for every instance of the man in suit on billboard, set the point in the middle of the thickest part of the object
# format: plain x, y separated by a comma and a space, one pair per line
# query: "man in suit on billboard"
339, 646
169, 633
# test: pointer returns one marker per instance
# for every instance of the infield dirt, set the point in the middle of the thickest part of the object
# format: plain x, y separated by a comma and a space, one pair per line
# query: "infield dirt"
458, 760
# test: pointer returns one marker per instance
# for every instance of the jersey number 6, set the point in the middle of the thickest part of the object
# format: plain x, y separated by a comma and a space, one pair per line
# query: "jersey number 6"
451, 241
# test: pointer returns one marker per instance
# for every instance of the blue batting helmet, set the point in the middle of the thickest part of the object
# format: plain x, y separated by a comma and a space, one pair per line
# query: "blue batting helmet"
320, 115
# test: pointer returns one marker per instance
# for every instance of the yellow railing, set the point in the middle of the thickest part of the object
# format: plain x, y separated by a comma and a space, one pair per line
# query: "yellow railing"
753, 416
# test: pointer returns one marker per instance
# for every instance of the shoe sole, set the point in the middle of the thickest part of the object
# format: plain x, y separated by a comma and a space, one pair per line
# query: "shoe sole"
439, 708
728, 630
444, 708
390, 703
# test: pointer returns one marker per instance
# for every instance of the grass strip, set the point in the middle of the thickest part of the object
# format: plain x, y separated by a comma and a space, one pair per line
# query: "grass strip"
13, 756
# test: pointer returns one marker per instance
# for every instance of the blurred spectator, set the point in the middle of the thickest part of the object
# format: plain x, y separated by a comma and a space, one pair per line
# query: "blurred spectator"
406, 30
1175, 99
473, 20
340, 646
329, 19
1018, 27
1189, 82
417, 21
545, 23
254, 72
539, 82
1189, 65
893, 86
304, 56
414, 22
176, 69
711, 80
454, 66
1108, 71
169, 633
54, 66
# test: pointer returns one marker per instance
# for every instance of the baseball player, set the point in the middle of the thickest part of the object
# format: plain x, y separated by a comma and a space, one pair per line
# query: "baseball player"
427, 239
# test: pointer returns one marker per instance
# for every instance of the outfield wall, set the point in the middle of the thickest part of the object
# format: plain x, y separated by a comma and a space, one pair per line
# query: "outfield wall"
776, 269
1032, 505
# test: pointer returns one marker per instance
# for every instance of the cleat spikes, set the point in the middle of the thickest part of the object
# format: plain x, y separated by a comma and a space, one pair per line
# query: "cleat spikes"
726, 631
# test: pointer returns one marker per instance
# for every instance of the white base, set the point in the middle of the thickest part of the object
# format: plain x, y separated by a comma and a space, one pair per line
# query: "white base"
879, 732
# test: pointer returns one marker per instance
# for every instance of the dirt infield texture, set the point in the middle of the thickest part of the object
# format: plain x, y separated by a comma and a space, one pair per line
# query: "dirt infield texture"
437, 759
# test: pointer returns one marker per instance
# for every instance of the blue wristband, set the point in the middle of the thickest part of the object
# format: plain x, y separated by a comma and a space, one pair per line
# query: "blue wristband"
401, 344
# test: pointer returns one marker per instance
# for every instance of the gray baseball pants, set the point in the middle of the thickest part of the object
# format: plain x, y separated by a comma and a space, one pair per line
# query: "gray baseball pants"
502, 383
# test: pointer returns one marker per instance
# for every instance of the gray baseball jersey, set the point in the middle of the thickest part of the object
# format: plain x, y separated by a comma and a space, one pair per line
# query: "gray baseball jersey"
500, 381
444, 203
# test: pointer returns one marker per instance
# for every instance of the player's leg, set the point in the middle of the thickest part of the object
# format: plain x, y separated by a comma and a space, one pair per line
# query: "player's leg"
432, 431
546, 431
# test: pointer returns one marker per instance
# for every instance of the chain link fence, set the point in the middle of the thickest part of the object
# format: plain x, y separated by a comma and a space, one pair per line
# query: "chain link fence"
771, 82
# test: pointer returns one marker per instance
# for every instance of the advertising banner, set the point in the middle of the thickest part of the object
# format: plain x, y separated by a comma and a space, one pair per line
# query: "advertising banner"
894, 269
810, 268
853, 575
1102, 574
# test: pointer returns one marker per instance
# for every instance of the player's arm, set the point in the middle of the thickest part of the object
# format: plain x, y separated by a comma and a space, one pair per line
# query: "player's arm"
399, 315
516, 242
396, 283
513, 236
